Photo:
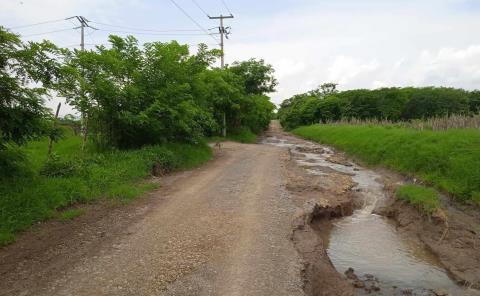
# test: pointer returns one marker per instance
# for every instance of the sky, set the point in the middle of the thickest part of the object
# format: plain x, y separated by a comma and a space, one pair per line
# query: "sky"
355, 43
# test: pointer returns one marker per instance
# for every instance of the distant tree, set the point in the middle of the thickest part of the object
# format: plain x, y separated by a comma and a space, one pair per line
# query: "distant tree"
327, 89
474, 101
256, 75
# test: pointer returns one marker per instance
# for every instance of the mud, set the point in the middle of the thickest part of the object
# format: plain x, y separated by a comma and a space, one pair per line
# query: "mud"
331, 186
453, 236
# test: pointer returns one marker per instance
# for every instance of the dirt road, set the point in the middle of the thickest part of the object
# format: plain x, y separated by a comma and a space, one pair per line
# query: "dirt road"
223, 229
256, 220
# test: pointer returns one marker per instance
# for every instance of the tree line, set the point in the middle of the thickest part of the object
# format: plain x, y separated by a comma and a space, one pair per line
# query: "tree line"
128, 95
327, 104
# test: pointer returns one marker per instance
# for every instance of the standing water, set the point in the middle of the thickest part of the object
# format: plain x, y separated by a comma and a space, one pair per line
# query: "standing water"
369, 243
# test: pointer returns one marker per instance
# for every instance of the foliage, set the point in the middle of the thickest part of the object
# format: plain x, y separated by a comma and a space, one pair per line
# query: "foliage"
135, 96
26, 70
392, 104
157, 98
426, 199
257, 77
55, 167
70, 214
449, 160
244, 136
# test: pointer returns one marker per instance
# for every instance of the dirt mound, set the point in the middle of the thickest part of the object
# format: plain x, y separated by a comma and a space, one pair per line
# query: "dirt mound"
320, 276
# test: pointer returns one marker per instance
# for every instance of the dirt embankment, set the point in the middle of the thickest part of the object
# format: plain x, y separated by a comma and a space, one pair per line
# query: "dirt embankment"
452, 233
319, 200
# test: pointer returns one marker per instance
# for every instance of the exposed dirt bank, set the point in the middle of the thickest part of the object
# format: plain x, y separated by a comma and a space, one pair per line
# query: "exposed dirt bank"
452, 234
319, 199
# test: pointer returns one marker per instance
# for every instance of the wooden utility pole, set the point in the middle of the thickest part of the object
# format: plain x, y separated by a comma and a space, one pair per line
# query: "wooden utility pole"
224, 32
50, 143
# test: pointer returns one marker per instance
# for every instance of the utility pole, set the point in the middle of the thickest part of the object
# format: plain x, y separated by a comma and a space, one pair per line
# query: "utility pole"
83, 23
223, 32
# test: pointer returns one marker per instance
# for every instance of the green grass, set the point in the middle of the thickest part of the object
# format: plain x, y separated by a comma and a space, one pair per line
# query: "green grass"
425, 199
34, 197
243, 136
448, 160
70, 214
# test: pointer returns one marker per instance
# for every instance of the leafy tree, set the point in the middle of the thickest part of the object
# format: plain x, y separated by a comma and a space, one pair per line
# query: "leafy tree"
387, 103
26, 70
256, 75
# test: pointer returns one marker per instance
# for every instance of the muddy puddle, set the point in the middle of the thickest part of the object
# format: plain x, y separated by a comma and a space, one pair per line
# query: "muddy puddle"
385, 262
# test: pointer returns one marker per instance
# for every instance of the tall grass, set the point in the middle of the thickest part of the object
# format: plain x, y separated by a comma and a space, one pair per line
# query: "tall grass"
434, 123
449, 160
114, 174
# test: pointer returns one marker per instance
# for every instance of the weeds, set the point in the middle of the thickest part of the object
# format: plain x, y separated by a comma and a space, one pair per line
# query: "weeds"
70, 214
425, 199
53, 184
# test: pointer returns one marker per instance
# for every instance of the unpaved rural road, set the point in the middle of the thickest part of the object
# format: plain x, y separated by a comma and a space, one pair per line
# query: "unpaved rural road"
223, 229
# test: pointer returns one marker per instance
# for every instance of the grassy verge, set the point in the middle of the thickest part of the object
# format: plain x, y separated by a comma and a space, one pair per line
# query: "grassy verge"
72, 177
448, 160
425, 199
243, 136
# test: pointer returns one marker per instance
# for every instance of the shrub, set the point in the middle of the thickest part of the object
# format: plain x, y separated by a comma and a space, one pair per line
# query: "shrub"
55, 167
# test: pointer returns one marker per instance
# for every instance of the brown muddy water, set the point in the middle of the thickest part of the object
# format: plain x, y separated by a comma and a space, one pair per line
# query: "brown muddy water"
369, 243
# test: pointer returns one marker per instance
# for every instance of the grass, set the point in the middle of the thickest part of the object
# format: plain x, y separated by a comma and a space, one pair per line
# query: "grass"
243, 136
70, 214
448, 160
115, 174
425, 199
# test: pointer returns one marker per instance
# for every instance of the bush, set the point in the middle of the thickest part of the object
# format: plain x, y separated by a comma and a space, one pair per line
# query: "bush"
55, 167
13, 161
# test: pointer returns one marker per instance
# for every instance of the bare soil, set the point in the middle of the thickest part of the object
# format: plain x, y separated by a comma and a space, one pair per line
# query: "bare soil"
451, 233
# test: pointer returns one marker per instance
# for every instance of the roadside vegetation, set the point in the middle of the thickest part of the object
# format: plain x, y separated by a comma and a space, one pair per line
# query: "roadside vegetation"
142, 110
448, 160
425, 199
386, 105
431, 133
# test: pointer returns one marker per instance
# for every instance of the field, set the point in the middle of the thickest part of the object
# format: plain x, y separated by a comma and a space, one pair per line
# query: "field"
448, 160
72, 177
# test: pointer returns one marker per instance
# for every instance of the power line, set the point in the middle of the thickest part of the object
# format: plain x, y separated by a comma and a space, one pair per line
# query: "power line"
156, 34
146, 30
226, 6
199, 7
49, 32
37, 24
192, 19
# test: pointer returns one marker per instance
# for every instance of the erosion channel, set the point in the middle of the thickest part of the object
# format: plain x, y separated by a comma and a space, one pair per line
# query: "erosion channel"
364, 246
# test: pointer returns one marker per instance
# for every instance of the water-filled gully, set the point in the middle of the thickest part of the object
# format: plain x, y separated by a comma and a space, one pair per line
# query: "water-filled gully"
367, 242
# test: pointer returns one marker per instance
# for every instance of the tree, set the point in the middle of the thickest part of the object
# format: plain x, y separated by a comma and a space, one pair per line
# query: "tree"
26, 70
257, 76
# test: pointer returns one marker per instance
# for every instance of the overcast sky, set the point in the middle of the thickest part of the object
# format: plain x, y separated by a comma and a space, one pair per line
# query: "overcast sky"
356, 43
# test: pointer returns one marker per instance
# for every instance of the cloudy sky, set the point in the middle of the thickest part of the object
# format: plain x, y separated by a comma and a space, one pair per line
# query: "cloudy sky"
356, 43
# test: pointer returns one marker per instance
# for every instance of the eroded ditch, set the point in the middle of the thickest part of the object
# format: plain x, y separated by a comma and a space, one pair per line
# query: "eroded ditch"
383, 261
